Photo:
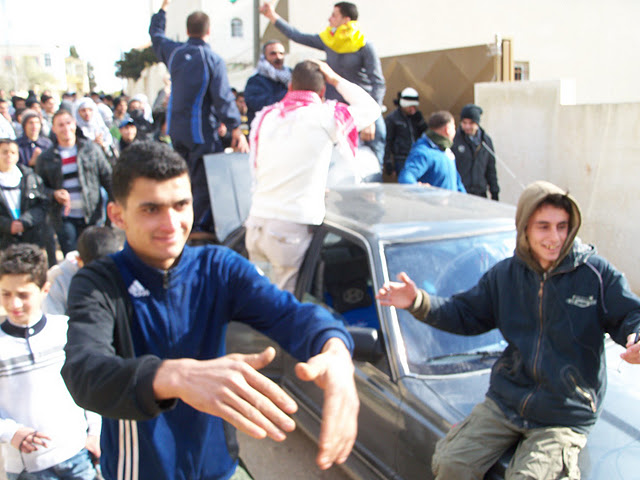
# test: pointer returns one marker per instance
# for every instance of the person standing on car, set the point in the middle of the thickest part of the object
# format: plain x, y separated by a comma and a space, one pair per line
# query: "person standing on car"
350, 55
292, 143
475, 156
146, 341
201, 98
553, 301
404, 126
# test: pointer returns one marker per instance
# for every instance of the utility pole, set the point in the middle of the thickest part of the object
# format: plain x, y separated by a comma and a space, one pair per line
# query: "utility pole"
256, 32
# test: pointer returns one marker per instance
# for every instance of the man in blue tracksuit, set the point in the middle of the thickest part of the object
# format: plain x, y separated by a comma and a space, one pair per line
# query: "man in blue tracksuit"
146, 341
200, 98
553, 301
431, 160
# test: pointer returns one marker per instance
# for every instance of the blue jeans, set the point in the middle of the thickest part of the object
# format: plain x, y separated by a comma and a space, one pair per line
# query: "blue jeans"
378, 143
68, 232
78, 467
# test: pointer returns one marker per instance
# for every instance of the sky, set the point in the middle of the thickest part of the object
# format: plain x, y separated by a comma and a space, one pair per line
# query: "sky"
100, 30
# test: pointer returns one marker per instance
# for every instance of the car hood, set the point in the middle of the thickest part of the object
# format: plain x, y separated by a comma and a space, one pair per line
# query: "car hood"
613, 446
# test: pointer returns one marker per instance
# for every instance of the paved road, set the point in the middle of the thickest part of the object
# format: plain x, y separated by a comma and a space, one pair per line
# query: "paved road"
294, 458
268, 460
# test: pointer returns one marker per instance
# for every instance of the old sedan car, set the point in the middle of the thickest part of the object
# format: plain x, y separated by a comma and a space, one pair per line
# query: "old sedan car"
415, 381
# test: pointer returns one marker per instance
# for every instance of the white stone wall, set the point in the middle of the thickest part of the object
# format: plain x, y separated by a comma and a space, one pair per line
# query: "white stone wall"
592, 150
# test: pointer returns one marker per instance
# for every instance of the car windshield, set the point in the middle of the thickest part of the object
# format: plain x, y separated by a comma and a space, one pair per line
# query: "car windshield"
443, 268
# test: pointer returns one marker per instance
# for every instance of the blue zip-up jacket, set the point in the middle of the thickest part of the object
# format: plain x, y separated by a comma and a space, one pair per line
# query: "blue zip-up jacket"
553, 371
426, 163
200, 91
125, 317
261, 91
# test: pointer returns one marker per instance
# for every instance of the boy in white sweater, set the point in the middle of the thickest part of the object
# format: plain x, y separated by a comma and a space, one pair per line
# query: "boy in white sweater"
43, 433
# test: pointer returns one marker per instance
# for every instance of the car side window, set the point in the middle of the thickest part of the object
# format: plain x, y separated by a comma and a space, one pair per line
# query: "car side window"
342, 283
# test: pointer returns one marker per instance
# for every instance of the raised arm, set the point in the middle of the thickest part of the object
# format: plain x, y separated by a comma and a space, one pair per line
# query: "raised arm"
162, 46
362, 107
309, 39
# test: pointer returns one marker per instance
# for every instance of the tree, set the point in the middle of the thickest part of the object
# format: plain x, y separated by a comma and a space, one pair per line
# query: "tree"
73, 52
91, 76
134, 62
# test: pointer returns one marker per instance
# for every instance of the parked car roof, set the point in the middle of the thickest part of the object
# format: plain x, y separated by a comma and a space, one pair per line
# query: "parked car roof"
396, 212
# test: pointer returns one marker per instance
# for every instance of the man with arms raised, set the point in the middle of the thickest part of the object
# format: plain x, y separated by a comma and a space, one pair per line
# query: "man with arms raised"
146, 340
553, 301
200, 97
350, 55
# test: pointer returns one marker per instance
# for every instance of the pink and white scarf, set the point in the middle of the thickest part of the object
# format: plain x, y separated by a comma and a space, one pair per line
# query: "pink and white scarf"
302, 98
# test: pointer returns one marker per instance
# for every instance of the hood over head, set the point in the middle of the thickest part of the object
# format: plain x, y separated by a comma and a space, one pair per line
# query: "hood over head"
528, 202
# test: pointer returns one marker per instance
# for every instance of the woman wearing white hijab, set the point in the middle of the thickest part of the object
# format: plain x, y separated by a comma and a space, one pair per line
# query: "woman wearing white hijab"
92, 125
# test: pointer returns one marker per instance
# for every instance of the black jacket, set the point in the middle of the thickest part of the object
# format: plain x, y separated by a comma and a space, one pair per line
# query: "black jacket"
402, 132
33, 211
94, 171
476, 165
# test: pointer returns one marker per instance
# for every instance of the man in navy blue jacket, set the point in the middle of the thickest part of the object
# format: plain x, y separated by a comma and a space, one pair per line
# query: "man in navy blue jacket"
200, 98
146, 341
553, 301
271, 81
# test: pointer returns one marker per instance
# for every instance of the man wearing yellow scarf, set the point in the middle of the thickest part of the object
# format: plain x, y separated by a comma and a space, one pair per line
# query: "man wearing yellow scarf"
350, 55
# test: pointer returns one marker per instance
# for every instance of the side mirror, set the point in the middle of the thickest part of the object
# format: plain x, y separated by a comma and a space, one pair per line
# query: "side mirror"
368, 344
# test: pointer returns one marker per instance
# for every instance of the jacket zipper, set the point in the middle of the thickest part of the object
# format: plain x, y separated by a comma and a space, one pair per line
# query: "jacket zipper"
586, 395
538, 346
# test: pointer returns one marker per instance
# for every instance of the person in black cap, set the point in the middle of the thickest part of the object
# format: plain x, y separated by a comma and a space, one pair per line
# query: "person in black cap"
128, 133
475, 155
404, 126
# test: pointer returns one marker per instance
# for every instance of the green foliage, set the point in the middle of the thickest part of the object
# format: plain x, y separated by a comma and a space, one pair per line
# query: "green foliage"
73, 52
134, 62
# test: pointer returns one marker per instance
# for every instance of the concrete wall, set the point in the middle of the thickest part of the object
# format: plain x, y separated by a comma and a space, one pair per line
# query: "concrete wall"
591, 150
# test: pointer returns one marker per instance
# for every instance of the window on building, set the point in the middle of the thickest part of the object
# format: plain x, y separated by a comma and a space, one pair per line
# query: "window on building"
520, 71
47, 59
236, 28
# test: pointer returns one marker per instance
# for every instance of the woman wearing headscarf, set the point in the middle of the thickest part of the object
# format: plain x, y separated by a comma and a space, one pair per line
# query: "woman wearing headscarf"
92, 125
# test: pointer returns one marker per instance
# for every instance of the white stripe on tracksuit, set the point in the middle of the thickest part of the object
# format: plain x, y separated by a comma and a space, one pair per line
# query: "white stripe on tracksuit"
128, 450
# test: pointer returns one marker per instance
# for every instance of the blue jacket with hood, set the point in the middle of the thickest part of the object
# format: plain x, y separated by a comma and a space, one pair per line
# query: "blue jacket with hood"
553, 371
426, 163
126, 317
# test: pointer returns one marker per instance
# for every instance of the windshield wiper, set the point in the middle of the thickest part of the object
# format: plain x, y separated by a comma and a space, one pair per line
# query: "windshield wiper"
483, 354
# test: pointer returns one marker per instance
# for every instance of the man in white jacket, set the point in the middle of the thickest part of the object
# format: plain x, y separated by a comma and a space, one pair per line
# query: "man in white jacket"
292, 143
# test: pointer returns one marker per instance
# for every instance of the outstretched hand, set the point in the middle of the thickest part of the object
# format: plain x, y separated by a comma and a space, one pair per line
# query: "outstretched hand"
332, 371
632, 353
399, 294
231, 388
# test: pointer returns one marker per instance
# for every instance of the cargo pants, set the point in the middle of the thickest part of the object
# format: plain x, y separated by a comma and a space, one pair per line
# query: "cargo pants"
471, 447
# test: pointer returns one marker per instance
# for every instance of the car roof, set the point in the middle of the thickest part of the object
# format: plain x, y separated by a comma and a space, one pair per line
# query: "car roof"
394, 212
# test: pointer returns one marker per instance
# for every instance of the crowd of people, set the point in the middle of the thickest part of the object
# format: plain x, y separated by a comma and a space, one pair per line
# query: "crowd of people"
134, 318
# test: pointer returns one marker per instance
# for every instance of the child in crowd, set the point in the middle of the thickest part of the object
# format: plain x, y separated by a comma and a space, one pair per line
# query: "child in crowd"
93, 243
43, 433
23, 203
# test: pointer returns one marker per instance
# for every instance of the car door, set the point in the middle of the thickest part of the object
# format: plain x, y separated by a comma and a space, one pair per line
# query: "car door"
336, 274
